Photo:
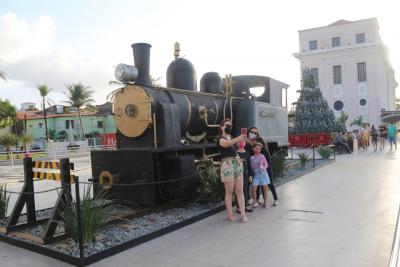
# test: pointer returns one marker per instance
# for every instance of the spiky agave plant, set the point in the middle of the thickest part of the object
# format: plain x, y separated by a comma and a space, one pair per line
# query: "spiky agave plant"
304, 157
325, 152
4, 199
278, 164
211, 189
95, 212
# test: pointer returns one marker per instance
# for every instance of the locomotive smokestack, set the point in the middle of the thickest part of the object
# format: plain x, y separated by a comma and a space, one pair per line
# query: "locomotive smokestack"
141, 55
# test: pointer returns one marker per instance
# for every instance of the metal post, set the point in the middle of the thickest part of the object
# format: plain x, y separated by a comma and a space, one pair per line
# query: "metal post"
291, 151
313, 156
79, 219
12, 163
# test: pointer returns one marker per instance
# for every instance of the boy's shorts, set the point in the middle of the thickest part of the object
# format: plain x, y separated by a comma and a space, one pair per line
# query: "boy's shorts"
392, 138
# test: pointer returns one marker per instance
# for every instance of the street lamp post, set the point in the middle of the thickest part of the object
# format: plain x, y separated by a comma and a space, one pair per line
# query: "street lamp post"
94, 142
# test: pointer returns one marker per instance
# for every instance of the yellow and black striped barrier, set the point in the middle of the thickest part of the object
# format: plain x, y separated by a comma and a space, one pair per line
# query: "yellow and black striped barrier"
49, 170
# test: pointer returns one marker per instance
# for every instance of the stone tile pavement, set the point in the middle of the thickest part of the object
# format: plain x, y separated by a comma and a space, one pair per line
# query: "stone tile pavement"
343, 214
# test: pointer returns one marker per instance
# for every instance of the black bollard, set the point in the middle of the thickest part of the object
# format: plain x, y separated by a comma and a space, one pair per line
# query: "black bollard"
313, 155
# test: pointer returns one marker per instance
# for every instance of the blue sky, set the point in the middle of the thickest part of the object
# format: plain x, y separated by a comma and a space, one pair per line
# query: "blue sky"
62, 42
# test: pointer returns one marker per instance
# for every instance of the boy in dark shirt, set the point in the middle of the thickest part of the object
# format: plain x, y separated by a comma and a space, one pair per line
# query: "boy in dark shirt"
247, 173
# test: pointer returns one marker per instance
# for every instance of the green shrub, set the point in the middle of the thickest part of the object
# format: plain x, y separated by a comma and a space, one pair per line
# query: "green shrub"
211, 189
325, 152
303, 159
95, 213
4, 199
278, 163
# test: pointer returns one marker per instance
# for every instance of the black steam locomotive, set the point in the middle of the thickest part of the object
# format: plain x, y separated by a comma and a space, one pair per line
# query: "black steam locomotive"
162, 130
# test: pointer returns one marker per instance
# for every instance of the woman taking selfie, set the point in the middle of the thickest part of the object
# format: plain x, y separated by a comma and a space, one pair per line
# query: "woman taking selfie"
231, 169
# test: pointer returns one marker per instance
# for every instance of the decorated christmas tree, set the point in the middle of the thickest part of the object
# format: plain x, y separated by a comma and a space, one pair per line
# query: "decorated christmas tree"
313, 114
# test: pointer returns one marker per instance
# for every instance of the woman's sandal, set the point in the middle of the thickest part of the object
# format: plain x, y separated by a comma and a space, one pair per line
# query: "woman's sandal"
232, 218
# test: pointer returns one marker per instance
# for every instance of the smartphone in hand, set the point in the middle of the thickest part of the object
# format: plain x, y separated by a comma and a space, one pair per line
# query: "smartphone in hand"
243, 131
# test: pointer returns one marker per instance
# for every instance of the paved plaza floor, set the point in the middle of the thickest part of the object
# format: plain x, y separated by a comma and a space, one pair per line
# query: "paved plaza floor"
343, 214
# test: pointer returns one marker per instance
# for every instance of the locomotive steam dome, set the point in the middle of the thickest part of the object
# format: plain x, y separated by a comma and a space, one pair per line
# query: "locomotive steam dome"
211, 82
182, 75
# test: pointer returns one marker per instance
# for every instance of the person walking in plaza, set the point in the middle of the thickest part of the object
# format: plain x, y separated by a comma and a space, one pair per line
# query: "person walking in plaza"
365, 138
259, 165
253, 137
374, 137
392, 132
382, 136
231, 169
247, 174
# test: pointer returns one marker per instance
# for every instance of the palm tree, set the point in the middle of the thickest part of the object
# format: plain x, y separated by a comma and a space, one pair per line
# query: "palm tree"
78, 96
342, 119
26, 139
44, 91
360, 123
7, 141
8, 113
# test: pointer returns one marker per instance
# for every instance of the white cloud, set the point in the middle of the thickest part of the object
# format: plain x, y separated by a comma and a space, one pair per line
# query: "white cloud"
31, 55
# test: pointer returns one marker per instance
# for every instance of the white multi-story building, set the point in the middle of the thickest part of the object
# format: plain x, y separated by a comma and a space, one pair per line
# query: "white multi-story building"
350, 64
28, 105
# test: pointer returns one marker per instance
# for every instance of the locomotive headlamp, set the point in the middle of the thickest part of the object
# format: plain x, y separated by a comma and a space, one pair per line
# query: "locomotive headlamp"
126, 73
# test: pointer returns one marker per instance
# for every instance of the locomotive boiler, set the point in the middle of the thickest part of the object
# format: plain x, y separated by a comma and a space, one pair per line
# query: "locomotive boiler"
161, 131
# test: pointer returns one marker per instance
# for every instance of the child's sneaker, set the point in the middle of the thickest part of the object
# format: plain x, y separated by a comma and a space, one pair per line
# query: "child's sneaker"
251, 201
275, 203
261, 199
255, 205
249, 208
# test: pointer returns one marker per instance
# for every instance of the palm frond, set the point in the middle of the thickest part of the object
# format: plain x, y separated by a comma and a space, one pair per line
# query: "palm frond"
44, 90
3, 75
111, 96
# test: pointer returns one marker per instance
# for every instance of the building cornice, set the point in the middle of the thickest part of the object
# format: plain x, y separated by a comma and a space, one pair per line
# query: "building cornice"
341, 23
338, 50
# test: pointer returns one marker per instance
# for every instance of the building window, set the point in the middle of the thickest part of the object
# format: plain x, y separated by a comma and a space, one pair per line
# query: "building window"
99, 124
313, 45
314, 73
69, 123
361, 72
338, 105
335, 41
360, 38
363, 102
337, 74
